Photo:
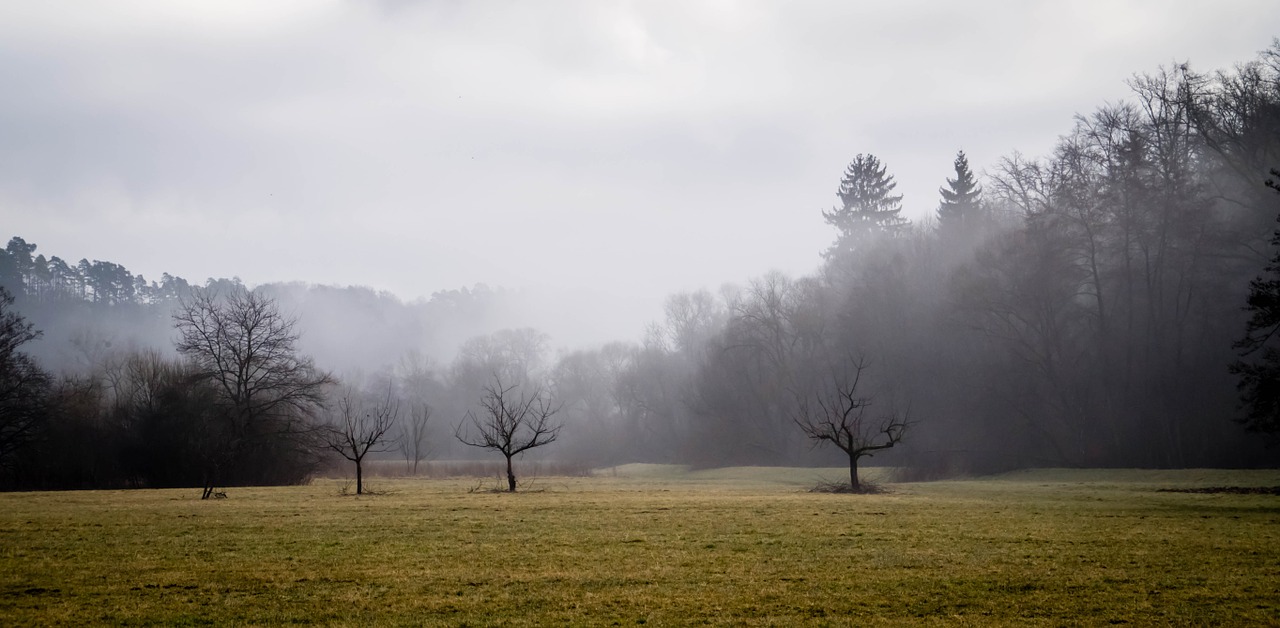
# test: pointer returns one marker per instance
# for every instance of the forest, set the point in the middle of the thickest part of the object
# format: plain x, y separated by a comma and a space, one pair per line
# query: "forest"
1110, 304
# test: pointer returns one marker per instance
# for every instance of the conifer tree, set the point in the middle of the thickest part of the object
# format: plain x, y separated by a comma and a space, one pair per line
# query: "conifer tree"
1259, 366
960, 213
868, 207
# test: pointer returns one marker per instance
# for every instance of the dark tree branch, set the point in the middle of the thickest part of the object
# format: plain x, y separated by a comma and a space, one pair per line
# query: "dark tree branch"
357, 429
243, 345
510, 423
836, 412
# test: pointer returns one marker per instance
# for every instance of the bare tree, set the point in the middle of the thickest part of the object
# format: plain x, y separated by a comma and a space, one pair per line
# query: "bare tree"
23, 385
516, 355
357, 429
512, 423
243, 345
836, 412
413, 437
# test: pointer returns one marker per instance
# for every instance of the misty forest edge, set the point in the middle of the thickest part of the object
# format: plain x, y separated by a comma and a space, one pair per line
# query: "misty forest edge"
1112, 304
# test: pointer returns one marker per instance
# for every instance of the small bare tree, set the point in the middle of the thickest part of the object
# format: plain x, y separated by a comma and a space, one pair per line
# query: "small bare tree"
512, 423
356, 429
835, 412
413, 437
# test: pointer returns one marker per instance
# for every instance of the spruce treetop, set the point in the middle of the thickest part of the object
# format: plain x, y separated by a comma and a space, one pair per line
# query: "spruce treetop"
961, 205
868, 207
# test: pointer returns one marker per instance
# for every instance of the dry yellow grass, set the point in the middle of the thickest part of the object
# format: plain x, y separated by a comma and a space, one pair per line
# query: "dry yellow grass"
652, 545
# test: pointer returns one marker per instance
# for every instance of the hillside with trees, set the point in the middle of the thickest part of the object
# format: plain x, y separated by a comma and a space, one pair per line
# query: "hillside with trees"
1108, 304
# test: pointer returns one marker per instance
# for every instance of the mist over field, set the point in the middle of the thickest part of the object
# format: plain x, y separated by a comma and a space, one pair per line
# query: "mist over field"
249, 243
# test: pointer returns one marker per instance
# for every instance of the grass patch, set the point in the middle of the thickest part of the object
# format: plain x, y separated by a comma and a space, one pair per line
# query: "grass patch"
1239, 490
864, 488
653, 545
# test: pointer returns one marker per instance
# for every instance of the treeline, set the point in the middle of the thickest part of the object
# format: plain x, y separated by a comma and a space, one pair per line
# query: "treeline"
53, 279
1079, 309
95, 391
1084, 308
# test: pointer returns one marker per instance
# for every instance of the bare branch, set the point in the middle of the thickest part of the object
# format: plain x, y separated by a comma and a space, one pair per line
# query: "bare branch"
836, 412
510, 423
412, 437
357, 429
242, 344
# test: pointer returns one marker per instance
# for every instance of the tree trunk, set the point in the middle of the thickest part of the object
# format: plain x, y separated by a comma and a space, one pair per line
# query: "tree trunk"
210, 482
853, 473
359, 478
511, 477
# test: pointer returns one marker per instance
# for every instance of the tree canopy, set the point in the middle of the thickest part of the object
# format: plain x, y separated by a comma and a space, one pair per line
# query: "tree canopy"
960, 214
868, 207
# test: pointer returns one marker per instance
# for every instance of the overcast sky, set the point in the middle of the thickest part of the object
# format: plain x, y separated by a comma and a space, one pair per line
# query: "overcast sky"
593, 151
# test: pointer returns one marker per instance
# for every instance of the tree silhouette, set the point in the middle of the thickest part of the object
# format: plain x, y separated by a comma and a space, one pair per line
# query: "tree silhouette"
511, 423
243, 345
23, 385
960, 212
412, 437
1259, 384
357, 429
868, 207
836, 412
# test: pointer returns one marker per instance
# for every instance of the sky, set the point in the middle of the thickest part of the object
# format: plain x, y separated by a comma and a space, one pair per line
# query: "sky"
595, 156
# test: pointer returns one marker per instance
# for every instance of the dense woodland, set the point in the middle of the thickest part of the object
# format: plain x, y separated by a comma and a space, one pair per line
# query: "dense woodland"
1109, 304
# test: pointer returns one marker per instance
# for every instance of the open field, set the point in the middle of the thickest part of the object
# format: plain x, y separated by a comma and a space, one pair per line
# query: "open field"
656, 546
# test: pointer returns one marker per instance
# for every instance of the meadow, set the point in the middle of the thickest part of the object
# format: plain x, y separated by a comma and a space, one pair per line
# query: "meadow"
653, 545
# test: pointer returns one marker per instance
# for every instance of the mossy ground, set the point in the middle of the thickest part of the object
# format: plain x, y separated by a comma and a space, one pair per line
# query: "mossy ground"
656, 546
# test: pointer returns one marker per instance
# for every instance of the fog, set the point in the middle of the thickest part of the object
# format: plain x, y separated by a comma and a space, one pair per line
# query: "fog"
1000, 236
594, 156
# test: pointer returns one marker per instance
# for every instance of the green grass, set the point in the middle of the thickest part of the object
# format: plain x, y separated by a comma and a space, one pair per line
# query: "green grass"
656, 546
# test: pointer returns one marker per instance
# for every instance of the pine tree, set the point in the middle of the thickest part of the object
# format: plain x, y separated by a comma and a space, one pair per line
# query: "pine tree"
960, 214
868, 207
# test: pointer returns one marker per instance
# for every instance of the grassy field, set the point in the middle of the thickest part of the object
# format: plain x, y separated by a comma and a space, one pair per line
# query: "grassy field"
656, 546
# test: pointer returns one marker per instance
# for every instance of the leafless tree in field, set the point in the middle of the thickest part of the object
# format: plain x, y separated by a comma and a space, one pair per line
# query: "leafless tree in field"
835, 411
511, 423
413, 437
247, 349
357, 429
